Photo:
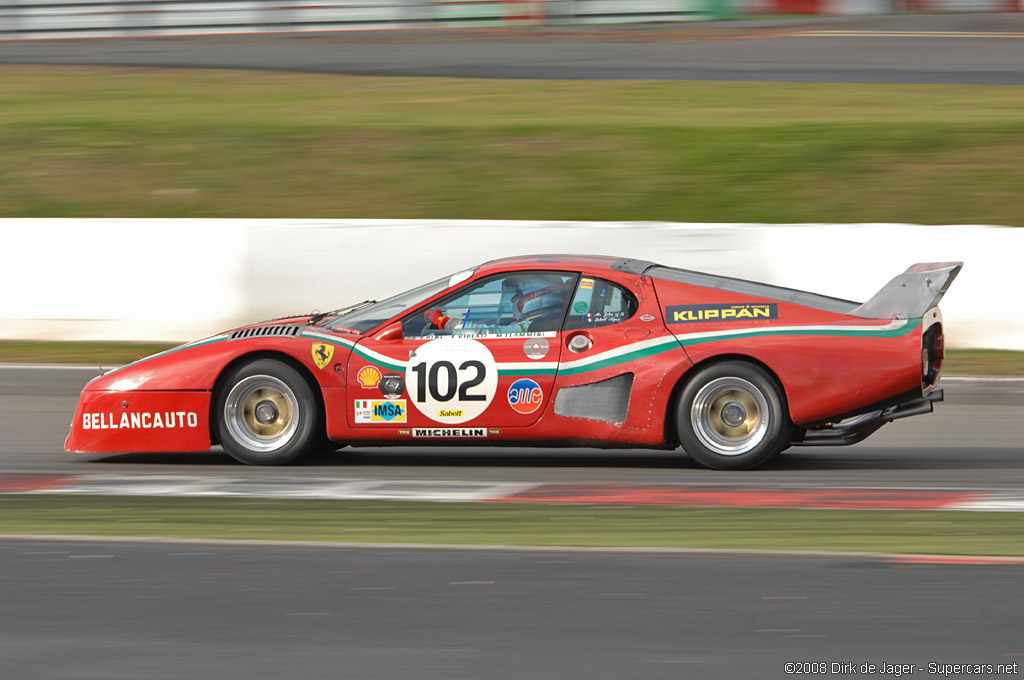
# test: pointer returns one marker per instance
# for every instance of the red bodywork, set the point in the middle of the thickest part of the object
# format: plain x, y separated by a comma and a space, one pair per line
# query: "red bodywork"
831, 365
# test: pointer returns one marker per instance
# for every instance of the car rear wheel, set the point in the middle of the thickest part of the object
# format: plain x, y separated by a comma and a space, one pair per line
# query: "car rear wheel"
732, 416
266, 413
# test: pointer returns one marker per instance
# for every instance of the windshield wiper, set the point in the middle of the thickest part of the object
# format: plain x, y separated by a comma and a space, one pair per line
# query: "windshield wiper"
317, 318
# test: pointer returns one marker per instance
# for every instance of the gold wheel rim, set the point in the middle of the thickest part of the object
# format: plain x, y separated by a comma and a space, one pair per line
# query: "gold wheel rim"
261, 413
730, 416
741, 410
266, 412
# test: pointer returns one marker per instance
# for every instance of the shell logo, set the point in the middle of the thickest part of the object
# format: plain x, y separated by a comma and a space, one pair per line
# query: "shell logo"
369, 377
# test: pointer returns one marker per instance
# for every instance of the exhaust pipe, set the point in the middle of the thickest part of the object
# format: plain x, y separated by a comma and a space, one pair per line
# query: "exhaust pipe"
913, 408
860, 428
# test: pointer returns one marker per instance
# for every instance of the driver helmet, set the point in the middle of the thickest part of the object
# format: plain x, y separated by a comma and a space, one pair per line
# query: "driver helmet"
534, 295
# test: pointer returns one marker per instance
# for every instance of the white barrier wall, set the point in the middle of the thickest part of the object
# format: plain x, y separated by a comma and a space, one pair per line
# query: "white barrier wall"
120, 18
175, 280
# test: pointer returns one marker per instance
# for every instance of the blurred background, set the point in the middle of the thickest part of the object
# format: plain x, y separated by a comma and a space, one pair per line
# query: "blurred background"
35, 18
190, 166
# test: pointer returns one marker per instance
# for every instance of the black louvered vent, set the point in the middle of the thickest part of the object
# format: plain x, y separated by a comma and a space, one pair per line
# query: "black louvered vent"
266, 331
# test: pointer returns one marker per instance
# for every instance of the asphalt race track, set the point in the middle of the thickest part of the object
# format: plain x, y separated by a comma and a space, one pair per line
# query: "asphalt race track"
111, 610
973, 440
172, 611
963, 49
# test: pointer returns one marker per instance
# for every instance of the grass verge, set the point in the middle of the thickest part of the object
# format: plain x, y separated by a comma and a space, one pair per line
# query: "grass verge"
958, 361
960, 533
130, 142
104, 353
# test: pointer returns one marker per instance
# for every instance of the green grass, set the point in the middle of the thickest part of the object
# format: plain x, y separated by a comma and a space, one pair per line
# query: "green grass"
958, 361
984, 362
135, 142
966, 533
105, 353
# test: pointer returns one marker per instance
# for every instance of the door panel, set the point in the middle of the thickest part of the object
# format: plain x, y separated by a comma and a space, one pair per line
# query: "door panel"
491, 364
616, 353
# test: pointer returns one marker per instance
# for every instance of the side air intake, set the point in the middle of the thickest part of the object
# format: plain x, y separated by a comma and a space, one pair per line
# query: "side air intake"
266, 331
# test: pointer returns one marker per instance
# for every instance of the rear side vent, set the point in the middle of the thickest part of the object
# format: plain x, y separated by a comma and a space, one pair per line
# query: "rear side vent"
266, 331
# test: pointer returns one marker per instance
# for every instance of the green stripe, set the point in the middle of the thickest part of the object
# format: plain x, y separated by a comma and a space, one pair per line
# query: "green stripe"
669, 345
666, 346
358, 351
172, 350
893, 333
526, 371
374, 360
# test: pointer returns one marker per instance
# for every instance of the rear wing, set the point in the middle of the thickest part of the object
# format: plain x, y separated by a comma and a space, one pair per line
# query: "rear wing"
912, 293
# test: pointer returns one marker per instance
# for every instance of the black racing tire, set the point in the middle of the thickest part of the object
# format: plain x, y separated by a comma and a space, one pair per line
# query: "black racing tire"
265, 413
733, 416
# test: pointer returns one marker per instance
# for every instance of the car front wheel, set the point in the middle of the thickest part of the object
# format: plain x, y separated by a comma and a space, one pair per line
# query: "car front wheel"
265, 413
732, 416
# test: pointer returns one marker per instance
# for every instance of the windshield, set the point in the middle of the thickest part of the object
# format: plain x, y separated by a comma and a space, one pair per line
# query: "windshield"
367, 318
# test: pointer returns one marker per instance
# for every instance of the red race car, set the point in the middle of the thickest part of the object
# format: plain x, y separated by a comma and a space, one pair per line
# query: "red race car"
543, 350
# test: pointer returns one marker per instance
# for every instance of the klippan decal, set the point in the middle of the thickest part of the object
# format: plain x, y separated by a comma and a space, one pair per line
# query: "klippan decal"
739, 311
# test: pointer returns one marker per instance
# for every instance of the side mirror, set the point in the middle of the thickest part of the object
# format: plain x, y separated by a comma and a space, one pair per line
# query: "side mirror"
392, 332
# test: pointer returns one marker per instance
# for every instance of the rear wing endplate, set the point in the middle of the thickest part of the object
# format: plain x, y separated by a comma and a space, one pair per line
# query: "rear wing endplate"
912, 293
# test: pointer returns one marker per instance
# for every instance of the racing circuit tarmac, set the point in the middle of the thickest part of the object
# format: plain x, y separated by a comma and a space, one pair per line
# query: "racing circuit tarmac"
171, 611
163, 610
107, 609
964, 49
973, 440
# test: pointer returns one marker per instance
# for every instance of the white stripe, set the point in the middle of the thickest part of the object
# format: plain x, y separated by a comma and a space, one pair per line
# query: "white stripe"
334, 339
382, 358
375, 357
990, 503
526, 365
203, 341
980, 379
60, 367
469, 547
655, 342
619, 351
905, 34
893, 325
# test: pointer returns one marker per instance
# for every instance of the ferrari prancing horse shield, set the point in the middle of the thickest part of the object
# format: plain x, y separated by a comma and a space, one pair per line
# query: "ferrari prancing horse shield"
322, 353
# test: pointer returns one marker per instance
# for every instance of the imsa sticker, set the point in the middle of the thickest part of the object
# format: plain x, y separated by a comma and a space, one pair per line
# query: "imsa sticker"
722, 312
380, 411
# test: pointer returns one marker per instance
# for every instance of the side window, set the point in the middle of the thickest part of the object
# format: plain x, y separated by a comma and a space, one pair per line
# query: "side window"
516, 303
599, 303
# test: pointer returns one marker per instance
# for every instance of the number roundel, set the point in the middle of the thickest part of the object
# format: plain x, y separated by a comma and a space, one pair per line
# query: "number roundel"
452, 380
